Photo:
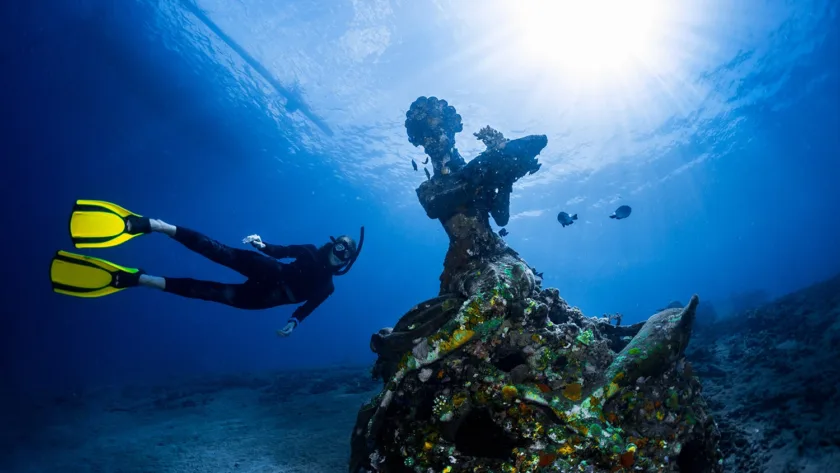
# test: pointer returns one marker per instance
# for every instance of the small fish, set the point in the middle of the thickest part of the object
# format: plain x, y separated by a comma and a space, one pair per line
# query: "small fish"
503, 232
621, 212
426, 161
566, 219
428, 176
539, 275
414, 164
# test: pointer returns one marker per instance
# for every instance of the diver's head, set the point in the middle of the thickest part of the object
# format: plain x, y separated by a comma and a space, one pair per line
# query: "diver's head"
343, 252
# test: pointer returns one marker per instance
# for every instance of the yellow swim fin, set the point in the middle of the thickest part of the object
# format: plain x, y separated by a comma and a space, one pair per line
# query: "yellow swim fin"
100, 224
86, 276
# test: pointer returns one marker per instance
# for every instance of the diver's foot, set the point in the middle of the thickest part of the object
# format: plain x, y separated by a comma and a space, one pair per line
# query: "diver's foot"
135, 225
123, 279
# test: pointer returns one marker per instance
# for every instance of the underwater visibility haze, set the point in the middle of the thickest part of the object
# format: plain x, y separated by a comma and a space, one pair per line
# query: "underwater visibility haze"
634, 154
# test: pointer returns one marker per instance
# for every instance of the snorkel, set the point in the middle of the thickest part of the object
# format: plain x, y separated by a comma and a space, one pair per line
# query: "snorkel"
343, 270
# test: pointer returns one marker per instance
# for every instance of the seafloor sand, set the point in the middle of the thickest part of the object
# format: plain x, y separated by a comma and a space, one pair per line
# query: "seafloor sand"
232, 424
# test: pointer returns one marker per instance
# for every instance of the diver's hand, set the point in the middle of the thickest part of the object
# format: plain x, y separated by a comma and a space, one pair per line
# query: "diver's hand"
254, 240
289, 328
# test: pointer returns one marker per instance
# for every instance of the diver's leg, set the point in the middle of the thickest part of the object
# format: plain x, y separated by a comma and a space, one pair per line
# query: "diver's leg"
154, 225
249, 295
248, 263
192, 288
205, 290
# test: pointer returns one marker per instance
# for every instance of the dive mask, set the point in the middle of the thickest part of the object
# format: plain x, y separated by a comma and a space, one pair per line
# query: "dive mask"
345, 249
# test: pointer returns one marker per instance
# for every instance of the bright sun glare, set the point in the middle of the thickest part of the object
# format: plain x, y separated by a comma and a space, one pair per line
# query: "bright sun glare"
588, 39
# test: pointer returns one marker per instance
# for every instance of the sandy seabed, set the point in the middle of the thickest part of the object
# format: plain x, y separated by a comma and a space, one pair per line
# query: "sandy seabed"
273, 423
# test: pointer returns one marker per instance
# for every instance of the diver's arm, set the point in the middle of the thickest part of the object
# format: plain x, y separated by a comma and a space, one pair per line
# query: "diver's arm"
309, 306
303, 312
280, 251
288, 251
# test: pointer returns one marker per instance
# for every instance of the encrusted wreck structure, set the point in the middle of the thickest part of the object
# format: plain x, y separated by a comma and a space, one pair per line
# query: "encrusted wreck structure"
497, 374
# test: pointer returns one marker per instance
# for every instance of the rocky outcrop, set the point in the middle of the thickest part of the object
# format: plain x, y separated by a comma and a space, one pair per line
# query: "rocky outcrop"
772, 379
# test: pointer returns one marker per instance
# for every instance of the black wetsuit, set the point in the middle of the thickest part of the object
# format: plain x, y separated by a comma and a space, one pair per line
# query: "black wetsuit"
270, 283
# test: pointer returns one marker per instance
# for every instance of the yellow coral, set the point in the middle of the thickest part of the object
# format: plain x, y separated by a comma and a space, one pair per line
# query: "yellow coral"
474, 308
458, 399
458, 338
509, 392
566, 450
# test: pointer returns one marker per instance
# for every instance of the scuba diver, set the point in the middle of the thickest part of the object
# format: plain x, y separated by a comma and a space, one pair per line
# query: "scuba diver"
270, 283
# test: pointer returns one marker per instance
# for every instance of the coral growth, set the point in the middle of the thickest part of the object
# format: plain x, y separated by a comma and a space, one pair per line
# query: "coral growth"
506, 389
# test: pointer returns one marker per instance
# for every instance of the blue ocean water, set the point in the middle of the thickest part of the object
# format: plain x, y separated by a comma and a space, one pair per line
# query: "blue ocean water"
726, 144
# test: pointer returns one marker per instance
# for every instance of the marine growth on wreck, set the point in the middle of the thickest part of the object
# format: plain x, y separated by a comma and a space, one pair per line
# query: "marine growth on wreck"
497, 374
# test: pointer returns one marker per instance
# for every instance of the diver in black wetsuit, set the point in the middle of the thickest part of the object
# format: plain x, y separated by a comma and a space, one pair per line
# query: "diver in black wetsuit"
270, 283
